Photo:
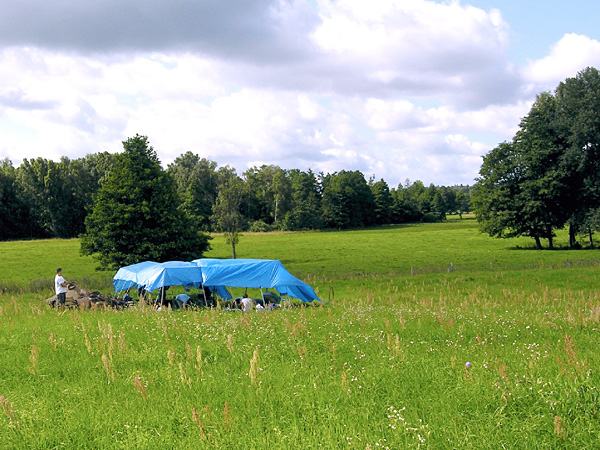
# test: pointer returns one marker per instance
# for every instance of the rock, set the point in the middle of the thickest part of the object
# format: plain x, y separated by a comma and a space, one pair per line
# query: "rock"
85, 299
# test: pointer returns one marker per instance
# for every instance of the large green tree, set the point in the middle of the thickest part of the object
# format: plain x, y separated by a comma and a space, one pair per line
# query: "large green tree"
463, 203
383, 202
135, 216
498, 199
268, 194
578, 123
521, 188
549, 175
305, 209
226, 212
197, 183
44, 188
347, 200
13, 213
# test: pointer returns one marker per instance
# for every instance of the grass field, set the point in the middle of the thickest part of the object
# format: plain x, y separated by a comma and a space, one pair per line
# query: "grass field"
434, 336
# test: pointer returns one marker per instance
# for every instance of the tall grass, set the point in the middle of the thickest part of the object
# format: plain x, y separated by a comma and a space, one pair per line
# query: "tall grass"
382, 365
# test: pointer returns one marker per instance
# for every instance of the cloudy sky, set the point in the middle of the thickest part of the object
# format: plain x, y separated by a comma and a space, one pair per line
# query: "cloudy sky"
398, 89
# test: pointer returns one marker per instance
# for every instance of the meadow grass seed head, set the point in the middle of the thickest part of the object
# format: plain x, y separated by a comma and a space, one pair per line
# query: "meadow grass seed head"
227, 421
33, 359
141, 388
171, 356
122, 344
199, 360
107, 364
182, 374
198, 421
230, 343
9, 410
559, 427
254, 367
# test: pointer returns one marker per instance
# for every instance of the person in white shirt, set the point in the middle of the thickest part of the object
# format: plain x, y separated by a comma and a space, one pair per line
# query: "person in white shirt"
60, 287
247, 303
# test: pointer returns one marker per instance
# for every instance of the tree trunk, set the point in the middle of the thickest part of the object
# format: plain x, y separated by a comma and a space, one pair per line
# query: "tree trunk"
538, 243
233, 247
572, 240
590, 234
550, 238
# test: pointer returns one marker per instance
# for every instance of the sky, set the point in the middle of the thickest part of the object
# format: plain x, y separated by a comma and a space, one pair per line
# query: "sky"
398, 89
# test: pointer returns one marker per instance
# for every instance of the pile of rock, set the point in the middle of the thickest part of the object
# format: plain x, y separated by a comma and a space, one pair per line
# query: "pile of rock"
84, 299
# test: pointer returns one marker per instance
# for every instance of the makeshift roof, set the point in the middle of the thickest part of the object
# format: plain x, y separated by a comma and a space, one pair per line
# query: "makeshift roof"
151, 275
130, 276
254, 273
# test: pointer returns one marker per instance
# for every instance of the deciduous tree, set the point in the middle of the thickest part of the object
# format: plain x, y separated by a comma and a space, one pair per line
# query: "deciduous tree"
226, 212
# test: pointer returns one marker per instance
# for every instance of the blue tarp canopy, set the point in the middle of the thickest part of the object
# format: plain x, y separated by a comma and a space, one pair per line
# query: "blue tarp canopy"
151, 275
254, 273
130, 276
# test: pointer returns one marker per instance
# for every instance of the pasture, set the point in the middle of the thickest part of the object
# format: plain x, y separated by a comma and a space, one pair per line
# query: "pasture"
434, 336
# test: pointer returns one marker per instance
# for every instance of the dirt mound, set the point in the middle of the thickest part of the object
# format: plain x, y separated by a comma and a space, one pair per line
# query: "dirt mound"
84, 299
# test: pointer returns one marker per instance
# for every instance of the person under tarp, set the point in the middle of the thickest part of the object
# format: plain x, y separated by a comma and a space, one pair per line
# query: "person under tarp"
254, 273
150, 276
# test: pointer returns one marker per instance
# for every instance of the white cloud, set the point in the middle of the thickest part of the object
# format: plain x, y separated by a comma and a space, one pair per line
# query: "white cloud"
419, 48
567, 57
397, 89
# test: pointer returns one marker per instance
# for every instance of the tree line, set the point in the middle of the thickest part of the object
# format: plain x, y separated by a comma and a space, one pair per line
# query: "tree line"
548, 177
46, 199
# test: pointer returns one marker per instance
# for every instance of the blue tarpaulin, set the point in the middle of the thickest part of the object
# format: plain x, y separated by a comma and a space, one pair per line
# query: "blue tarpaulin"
151, 275
130, 276
254, 273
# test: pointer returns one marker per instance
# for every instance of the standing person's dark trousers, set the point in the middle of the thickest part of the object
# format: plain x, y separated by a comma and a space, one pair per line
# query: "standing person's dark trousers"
61, 299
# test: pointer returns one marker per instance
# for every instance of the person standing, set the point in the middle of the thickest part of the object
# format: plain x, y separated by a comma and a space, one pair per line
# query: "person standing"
60, 286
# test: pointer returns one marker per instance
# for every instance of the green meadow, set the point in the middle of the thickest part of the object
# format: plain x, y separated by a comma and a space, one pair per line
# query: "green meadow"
433, 336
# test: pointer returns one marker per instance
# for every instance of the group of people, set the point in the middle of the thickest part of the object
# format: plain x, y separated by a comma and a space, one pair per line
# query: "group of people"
268, 302
204, 298
246, 304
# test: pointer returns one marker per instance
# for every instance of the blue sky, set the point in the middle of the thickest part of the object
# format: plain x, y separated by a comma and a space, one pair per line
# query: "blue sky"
537, 25
398, 89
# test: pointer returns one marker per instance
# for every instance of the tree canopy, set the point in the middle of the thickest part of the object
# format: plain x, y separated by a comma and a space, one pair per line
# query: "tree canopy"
548, 176
135, 215
227, 216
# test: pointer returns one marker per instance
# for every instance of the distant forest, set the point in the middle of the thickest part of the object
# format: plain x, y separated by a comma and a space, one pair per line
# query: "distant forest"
47, 199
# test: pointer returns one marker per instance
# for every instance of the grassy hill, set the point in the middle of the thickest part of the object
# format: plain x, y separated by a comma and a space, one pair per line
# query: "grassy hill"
456, 245
434, 336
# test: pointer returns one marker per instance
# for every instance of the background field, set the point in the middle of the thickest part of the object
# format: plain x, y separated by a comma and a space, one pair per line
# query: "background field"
382, 365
